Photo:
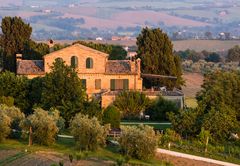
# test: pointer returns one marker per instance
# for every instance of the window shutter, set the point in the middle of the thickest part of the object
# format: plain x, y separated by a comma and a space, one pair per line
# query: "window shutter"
125, 84
84, 83
74, 62
98, 84
89, 63
112, 84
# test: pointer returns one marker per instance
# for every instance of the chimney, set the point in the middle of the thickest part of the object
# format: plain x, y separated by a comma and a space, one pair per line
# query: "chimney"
139, 67
51, 44
18, 57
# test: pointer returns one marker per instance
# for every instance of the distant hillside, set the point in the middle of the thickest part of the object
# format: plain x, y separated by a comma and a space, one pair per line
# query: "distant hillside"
59, 19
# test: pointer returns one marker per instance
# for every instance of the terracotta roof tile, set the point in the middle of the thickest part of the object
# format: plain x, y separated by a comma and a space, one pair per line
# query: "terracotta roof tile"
30, 67
120, 67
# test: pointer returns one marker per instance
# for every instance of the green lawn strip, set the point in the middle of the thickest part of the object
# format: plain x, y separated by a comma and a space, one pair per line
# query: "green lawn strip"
13, 158
155, 125
217, 156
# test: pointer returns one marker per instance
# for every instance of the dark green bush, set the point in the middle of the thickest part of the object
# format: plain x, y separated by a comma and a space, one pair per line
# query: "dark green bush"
159, 108
112, 116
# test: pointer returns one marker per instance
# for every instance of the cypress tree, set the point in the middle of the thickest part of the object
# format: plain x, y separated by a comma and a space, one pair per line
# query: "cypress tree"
15, 34
155, 49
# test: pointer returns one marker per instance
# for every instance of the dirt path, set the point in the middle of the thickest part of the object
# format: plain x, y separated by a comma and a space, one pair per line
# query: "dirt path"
181, 159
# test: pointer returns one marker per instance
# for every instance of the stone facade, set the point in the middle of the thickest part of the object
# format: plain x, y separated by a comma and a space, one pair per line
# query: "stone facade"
99, 75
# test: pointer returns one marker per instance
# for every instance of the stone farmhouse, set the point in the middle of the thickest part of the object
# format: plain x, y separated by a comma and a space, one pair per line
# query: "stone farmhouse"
101, 77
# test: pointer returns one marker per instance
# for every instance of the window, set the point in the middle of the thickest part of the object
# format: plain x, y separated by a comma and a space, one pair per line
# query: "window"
89, 63
74, 62
84, 83
119, 84
98, 84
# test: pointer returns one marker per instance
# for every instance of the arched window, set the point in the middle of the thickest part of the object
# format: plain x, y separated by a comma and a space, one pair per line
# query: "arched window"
89, 63
74, 62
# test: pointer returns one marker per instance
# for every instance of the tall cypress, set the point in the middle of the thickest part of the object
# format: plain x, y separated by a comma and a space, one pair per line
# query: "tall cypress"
155, 49
15, 34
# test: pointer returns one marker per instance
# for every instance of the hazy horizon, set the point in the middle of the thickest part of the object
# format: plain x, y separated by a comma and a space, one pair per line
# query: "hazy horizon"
127, 17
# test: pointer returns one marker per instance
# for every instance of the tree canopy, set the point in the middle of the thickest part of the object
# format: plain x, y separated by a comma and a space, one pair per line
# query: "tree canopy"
15, 34
155, 49
234, 54
217, 111
62, 89
35, 51
16, 87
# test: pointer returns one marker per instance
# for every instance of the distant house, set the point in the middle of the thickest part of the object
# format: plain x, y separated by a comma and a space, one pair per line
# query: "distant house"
99, 39
101, 77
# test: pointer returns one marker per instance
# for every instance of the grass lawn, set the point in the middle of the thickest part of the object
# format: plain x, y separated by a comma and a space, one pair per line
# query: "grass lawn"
155, 125
66, 146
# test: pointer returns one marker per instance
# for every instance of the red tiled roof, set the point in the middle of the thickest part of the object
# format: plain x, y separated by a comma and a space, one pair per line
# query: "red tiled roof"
120, 67
30, 67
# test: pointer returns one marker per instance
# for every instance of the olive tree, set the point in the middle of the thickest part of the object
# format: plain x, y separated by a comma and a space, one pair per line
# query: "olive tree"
88, 132
138, 141
16, 116
42, 126
5, 123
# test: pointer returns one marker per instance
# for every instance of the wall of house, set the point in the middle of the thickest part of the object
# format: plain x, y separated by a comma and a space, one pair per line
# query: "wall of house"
134, 82
107, 100
82, 52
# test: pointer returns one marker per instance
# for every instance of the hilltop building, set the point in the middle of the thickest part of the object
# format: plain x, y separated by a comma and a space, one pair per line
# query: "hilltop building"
102, 78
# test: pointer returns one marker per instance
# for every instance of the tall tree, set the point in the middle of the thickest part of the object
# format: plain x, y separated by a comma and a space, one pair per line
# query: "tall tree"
35, 51
15, 34
234, 54
156, 52
220, 88
62, 89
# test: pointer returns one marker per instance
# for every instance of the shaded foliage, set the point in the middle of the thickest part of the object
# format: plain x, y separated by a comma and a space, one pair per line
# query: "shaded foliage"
234, 54
131, 103
62, 89
159, 108
15, 34
15, 87
155, 50
35, 51
112, 116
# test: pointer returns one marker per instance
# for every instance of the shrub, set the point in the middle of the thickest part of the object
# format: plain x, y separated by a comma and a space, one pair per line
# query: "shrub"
138, 141
44, 127
131, 104
112, 116
159, 108
93, 109
15, 116
5, 123
169, 137
9, 101
88, 132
